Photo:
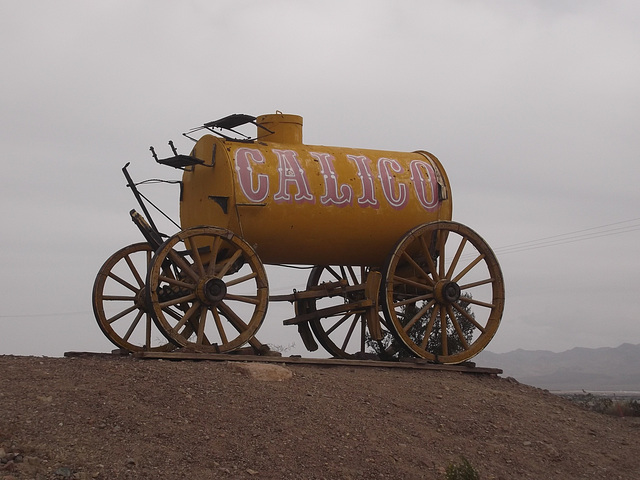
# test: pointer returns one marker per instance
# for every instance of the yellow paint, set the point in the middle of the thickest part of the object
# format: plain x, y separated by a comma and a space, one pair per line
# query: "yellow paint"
307, 231
285, 128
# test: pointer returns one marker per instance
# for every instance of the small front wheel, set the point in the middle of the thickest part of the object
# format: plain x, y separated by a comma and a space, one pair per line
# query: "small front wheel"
207, 289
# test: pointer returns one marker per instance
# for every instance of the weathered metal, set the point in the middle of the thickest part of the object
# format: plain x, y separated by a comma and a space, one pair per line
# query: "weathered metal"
391, 271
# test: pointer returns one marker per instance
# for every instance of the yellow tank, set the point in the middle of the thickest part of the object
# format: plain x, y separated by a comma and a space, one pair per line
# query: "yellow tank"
311, 204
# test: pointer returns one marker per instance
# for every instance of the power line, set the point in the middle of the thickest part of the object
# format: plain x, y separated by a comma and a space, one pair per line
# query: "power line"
625, 226
34, 315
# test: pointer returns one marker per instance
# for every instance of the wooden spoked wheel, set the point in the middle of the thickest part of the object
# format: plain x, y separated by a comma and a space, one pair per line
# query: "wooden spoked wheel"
443, 292
344, 334
119, 302
207, 289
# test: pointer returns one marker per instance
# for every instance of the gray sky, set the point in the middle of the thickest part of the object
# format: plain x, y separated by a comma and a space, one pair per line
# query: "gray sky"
533, 107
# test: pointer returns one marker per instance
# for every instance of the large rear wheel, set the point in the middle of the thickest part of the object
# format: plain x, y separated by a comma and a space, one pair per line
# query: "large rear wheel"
344, 334
443, 292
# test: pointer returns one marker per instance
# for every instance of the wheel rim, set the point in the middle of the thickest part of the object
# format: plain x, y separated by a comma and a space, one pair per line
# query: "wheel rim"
119, 302
443, 273
207, 288
344, 335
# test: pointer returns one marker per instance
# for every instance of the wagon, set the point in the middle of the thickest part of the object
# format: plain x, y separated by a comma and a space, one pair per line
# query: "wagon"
390, 274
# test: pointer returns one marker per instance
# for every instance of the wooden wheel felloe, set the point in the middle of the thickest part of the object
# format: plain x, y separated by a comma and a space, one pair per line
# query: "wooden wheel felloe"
119, 302
443, 292
207, 289
344, 334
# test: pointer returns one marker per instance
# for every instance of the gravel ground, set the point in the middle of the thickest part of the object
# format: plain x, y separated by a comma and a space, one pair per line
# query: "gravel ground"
109, 417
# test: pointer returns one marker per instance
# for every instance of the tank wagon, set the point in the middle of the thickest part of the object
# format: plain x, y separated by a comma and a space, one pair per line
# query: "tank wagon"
389, 272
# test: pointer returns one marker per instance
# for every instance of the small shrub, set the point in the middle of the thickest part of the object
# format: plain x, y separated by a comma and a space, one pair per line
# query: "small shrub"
607, 405
461, 471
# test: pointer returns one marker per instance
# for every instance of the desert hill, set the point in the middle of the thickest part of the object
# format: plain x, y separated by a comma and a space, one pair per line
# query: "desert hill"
590, 369
122, 418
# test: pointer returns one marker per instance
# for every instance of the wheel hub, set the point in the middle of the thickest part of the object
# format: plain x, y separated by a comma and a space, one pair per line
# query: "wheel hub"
212, 290
447, 291
140, 300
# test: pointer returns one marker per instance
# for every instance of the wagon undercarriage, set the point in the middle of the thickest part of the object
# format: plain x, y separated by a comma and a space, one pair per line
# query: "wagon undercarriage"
439, 297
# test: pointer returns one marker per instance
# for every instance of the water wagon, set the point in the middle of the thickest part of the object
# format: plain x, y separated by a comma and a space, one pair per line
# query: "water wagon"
390, 273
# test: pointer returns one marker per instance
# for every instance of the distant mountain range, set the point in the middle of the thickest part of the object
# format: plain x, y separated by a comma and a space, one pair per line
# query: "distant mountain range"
589, 369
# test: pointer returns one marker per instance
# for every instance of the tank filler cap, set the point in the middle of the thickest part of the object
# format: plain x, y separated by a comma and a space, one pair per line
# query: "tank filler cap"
283, 128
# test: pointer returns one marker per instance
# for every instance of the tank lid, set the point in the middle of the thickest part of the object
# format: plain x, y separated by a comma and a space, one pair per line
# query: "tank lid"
280, 128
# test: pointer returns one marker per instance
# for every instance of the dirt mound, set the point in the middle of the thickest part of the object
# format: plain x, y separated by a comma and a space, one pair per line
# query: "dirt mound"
122, 418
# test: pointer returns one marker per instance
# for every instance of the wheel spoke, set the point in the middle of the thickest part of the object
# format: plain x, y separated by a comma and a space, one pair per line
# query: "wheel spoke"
429, 328
441, 253
203, 319
221, 332
176, 301
215, 248
476, 284
233, 318
123, 313
133, 326
195, 254
239, 280
339, 322
468, 316
334, 273
134, 270
456, 257
412, 283
126, 298
418, 315
427, 254
343, 273
124, 282
478, 302
180, 262
229, 263
172, 313
354, 278
241, 298
413, 300
147, 336
456, 326
186, 317
177, 283
443, 330
469, 267
352, 327
415, 265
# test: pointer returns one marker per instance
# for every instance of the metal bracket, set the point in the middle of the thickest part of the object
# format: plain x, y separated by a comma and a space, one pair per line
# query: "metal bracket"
180, 161
230, 123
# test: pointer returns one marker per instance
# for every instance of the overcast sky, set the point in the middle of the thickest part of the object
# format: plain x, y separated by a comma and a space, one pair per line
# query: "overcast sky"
533, 107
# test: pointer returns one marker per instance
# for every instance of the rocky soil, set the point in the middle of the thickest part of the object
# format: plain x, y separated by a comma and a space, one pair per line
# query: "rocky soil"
114, 417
